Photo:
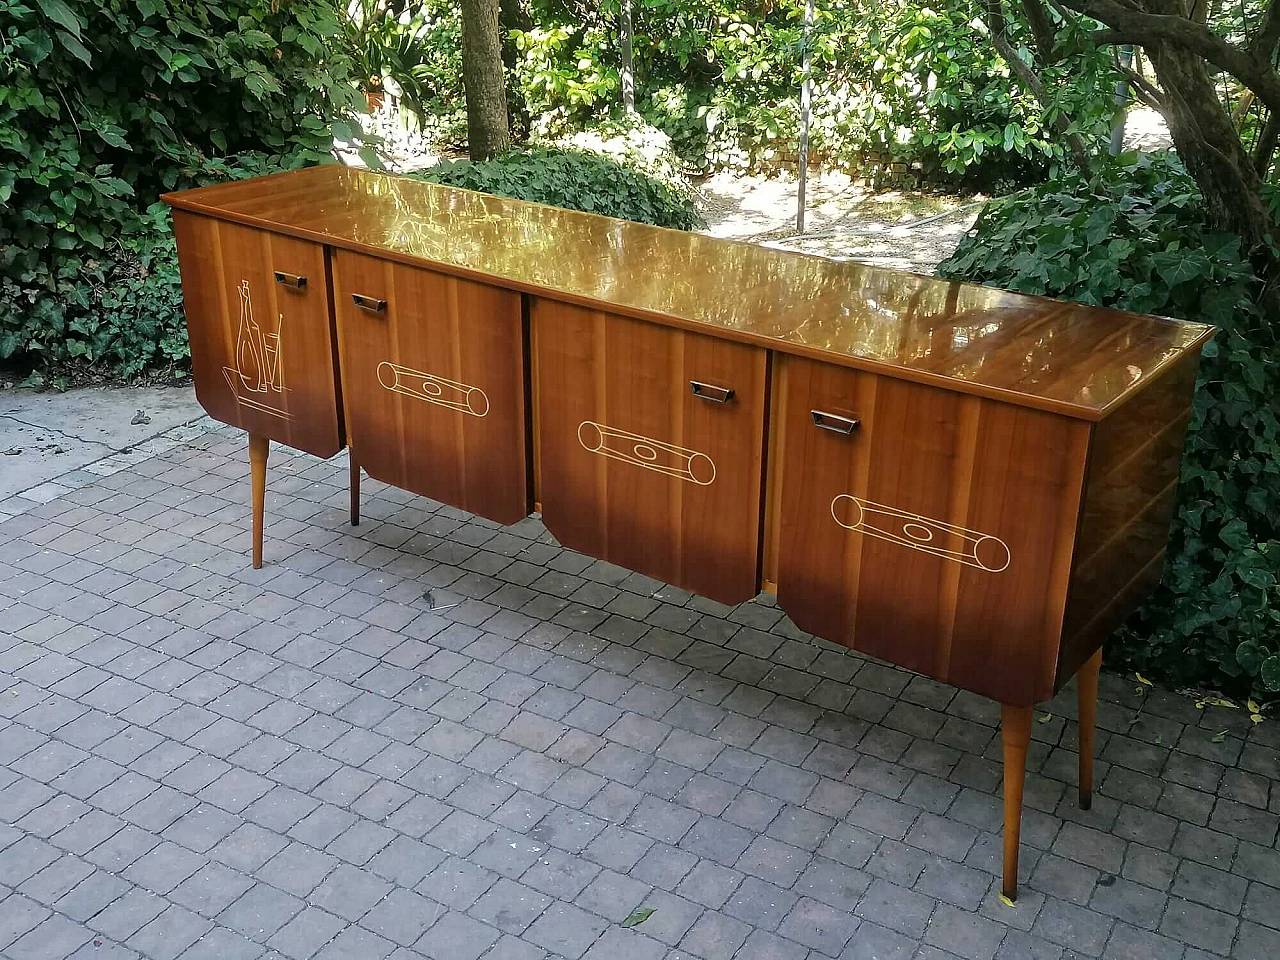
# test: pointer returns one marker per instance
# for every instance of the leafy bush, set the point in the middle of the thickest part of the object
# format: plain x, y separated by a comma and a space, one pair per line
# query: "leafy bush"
104, 105
894, 82
1133, 237
578, 181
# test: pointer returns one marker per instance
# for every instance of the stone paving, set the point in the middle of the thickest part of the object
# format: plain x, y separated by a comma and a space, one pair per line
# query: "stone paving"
434, 737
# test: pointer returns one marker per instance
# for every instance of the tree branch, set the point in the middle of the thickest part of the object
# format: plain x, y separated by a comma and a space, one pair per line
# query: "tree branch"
1042, 28
1265, 150
1148, 91
998, 28
1134, 26
1263, 44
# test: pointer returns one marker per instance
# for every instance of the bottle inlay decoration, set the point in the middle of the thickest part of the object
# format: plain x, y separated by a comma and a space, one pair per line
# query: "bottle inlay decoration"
257, 379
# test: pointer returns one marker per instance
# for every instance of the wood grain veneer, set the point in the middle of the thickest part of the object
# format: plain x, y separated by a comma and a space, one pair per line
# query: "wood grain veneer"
937, 535
262, 353
973, 484
1069, 358
636, 469
1124, 520
434, 384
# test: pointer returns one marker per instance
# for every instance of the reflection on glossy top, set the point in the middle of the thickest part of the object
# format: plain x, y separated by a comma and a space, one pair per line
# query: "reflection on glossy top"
1075, 359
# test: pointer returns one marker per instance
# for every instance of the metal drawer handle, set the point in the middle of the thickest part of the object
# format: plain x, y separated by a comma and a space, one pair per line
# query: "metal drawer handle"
709, 391
834, 422
372, 304
290, 280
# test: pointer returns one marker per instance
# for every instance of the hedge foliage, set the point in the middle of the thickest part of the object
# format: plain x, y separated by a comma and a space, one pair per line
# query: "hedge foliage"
106, 104
1133, 237
577, 180
895, 81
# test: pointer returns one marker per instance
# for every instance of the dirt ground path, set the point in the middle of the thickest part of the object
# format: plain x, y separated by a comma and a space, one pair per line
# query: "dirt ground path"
909, 230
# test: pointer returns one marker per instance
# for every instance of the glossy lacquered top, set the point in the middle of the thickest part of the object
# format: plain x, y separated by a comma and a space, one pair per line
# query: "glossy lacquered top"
1077, 360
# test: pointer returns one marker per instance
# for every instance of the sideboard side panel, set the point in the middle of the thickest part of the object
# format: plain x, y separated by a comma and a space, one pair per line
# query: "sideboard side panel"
633, 467
937, 535
262, 352
1128, 505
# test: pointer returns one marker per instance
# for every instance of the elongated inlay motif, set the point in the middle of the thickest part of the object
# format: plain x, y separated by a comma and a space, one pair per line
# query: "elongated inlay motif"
970, 547
433, 389
641, 451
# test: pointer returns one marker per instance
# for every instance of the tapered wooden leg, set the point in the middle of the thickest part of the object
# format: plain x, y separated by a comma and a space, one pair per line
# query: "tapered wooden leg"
258, 449
355, 489
1087, 681
1015, 727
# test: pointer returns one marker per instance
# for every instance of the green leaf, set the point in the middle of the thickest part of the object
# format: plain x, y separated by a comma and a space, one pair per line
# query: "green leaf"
75, 47
62, 15
1270, 673
638, 916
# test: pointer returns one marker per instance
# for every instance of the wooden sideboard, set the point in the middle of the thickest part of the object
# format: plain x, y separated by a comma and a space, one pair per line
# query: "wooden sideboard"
973, 484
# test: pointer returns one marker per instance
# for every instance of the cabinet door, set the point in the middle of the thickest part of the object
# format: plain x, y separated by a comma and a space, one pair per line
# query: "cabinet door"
262, 346
645, 458
925, 527
433, 384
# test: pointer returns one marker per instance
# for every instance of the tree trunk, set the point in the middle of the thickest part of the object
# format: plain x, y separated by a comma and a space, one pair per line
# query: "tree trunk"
1210, 147
483, 80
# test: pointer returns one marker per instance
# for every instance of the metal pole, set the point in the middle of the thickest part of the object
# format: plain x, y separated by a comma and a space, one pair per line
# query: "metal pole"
628, 63
806, 95
1122, 98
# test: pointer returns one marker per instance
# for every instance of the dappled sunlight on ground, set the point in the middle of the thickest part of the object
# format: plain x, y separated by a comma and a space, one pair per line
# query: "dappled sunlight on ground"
905, 229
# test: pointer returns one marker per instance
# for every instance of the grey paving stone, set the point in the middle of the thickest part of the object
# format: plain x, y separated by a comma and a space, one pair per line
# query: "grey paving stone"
170, 934
211, 889
457, 883
402, 916
260, 912
760, 903
127, 915
349, 892
568, 742
566, 930
510, 906
715, 936
19, 914
613, 895
222, 944
1073, 927
819, 925
54, 938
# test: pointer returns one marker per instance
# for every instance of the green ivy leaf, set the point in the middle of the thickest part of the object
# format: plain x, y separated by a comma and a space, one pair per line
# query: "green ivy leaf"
1270, 673
1177, 267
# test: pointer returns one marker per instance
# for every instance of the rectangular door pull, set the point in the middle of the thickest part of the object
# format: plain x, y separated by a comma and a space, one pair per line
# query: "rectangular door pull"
834, 422
290, 280
372, 304
709, 391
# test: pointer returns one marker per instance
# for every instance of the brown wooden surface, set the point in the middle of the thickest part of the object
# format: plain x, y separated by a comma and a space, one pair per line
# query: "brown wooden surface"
1128, 503
259, 450
1078, 360
679, 499
1087, 702
289, 393
434, 385
1008, 478
1015, 733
